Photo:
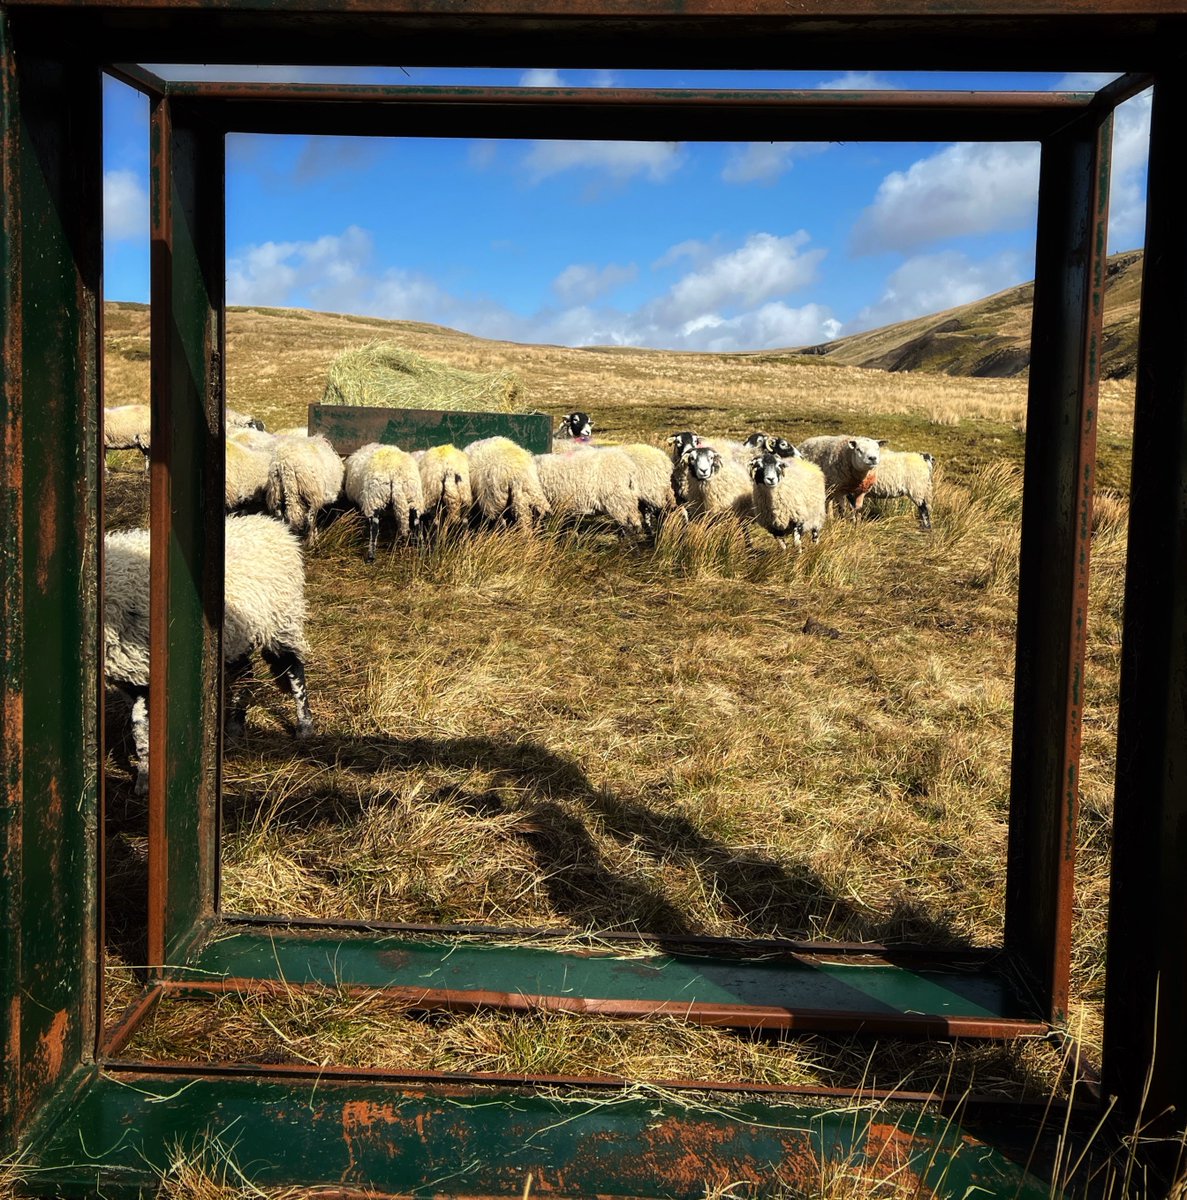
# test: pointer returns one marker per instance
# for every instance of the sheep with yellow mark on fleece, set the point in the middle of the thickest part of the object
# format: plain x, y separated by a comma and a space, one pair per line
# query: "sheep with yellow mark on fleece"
383, 479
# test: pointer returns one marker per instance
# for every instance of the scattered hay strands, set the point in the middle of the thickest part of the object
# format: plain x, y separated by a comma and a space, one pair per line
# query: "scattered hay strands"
385, 375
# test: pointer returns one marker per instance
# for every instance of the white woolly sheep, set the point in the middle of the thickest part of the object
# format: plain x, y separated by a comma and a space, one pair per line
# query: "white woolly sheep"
653, 483
445, 482
504, 482
716, 484
788, 495
238, 420
906, 473
383, 478
254, 439
592, 482
304, 476
264, 590
128, 427
246, 477
849, 465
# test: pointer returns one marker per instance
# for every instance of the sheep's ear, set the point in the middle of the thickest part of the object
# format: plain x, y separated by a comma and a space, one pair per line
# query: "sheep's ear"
853, 443
883, 441
672, 440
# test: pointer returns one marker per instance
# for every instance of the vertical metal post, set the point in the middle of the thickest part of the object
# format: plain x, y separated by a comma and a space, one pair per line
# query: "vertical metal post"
51, 261
1056, 536
186, 520
1146, 969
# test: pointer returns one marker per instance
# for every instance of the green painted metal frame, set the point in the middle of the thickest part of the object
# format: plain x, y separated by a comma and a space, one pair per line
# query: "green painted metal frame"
350, 426
54, 1082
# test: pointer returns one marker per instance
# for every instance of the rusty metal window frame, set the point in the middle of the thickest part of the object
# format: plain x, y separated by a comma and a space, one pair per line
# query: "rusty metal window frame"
189, 122
62, 1062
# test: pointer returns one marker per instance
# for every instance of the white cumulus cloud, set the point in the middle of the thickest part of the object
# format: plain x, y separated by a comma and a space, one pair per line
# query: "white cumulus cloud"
764, 162
125, 206
734, 300
581, 283
930, 283
967, 188
858, 81
542, 77
766, 266
655, 161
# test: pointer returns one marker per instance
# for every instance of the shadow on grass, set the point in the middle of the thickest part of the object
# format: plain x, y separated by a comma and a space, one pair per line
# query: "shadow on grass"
558, 804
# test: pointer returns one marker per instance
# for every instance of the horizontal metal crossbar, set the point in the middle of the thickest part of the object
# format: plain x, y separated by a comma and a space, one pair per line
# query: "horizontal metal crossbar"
643, 114
379, 1138
803, 992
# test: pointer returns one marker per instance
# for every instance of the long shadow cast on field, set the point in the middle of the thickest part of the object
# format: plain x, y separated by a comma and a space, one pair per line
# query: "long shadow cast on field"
557, 800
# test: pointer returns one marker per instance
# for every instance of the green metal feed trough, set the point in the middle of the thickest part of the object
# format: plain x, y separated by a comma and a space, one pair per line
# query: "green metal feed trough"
80, 1114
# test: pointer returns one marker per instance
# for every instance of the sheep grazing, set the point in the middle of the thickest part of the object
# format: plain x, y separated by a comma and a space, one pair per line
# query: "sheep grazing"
380, 479
849, 465
592, 482
575, 426
906, 473
716, 484
788, 496
128, 427
264, 611
246, 475
445, 482
505, 483
303, 477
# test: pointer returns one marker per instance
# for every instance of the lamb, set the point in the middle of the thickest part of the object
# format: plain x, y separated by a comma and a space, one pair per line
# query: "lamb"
445, 482
716, 484
246, 476
906, 473
575, 426
304, 476
264, 610
592, 482
379, 478
505, 483
788, 496
849, 465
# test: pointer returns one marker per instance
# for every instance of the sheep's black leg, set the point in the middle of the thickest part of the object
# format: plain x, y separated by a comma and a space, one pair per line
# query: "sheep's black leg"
233, 676
372, 536
288, 669
139, 697
925, 515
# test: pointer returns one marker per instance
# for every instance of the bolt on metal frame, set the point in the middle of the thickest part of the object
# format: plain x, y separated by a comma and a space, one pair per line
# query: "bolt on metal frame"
58, 1061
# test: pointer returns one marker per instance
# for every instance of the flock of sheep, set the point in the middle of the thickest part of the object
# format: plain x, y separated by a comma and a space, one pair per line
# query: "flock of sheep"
286, 479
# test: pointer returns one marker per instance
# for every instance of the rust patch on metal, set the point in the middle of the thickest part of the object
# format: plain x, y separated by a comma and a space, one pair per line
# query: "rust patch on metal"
51, 1045
46, 528
396, 959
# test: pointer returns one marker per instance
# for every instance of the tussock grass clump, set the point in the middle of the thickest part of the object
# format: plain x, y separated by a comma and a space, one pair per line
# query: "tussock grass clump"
386, 375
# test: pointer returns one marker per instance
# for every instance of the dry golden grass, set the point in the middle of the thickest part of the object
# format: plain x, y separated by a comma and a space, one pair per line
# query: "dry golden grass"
563, 731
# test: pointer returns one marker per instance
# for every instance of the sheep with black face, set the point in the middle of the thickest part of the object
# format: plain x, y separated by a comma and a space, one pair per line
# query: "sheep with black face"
575, 426
788, 496
716, 484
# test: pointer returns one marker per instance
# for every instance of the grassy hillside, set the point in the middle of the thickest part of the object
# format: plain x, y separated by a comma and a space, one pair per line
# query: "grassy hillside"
565, 731
990, 338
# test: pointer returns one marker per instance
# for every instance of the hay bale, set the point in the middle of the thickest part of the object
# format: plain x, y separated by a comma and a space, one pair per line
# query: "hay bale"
384, 375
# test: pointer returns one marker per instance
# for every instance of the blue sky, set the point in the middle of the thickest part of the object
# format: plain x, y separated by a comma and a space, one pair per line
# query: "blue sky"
685, 246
